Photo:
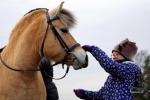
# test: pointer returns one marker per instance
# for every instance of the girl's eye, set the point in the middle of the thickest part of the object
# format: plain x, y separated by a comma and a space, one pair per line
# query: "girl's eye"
64, 30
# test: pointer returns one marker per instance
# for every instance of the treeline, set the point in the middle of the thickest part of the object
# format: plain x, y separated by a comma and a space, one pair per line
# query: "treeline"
142, 91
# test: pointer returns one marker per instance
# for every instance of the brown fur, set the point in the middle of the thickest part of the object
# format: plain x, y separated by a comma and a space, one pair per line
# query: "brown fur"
22, 52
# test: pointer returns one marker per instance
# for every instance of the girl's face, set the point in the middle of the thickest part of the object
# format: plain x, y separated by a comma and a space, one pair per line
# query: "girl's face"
117, 56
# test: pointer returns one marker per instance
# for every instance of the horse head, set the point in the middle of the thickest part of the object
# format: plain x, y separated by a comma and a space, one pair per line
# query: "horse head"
58, 45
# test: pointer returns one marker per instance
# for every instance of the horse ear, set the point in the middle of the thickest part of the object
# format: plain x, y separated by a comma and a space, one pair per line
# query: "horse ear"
59, 9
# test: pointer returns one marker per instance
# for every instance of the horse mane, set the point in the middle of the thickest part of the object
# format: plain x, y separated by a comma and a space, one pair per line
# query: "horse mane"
25, 20
66, 17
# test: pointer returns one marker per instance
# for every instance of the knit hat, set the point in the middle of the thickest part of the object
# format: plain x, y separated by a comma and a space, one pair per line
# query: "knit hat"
126, 48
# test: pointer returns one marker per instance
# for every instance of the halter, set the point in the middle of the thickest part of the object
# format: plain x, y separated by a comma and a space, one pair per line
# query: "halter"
60, 39
55, 32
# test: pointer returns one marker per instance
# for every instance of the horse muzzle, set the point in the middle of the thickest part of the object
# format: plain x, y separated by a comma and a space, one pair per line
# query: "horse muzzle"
78, 60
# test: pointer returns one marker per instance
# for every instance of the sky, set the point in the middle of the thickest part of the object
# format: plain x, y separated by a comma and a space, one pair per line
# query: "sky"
103, 23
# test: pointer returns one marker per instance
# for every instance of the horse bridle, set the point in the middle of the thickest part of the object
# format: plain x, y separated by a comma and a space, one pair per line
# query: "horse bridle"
60, 39
57, 35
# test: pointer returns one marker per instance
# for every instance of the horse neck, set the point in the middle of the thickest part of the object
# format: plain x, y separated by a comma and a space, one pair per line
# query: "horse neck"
22, 50
21, 57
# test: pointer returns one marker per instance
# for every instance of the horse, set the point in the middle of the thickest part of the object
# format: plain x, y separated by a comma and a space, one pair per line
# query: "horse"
39, 33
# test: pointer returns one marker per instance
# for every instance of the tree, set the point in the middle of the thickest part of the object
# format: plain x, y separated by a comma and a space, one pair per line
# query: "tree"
146, 77
142, 92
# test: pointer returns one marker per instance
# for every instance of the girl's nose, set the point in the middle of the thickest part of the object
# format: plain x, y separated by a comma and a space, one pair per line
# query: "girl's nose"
114, 56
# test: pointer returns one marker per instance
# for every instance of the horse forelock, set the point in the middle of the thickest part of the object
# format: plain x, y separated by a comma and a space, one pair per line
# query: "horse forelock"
66, 17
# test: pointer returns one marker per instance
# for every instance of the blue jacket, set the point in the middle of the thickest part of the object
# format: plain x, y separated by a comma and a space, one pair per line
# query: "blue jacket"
121, 80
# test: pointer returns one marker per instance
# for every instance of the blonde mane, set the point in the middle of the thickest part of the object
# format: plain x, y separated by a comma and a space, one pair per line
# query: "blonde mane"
65, 16
25, 20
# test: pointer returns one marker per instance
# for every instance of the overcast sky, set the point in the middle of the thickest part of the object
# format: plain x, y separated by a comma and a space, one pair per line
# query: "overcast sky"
99, 22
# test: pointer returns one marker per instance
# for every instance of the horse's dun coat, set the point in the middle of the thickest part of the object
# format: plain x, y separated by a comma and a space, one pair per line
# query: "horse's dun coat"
22, 52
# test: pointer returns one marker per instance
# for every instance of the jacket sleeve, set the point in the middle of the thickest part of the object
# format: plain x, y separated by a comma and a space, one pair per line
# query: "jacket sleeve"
122, 70
93, 95
45, 69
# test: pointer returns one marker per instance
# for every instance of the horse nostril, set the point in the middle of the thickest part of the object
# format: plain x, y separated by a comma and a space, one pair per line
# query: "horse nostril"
86, 62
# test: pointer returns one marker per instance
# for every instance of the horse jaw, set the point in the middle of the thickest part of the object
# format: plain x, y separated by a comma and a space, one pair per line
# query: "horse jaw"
80, 60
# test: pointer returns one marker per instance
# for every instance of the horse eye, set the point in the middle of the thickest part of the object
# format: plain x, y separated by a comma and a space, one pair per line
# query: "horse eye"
64, 30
